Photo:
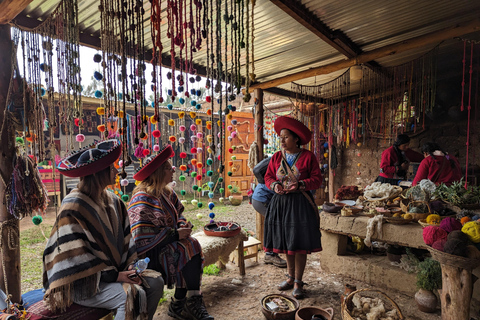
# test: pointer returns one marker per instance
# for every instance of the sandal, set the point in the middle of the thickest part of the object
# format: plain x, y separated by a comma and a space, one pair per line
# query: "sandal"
299, 293
285, 285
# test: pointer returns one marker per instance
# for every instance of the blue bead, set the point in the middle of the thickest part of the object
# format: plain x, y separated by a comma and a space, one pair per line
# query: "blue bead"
198, 106
211, 215
192, 91
120, 96
98, 94
180, 89
211, 205
210, 184
210, 195
153, 104
169, 92
199, 93
325, 145
170, 106
193, 103
181, 100
97, 75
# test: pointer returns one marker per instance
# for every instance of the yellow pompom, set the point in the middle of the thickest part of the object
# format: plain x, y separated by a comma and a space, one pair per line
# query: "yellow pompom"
359, 164
433, 219
325, 155
209, 150
193, 115
101, 111
359, 144
120, 114
181, 114
171, 122
229, 116
137, 182
408, 216
218, 123
153, 120
209, 122
198, 121
472, 230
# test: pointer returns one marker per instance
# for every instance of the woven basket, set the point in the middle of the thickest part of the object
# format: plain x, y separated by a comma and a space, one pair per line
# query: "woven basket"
347, 305
423, 223
453, 260
418, 216
404, 205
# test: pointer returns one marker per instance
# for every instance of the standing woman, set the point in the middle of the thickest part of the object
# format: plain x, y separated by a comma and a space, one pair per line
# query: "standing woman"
88, 258
163, 234
292, 224
438, 166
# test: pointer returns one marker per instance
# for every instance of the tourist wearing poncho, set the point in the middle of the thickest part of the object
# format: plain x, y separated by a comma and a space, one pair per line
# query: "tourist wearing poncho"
90, 250
162, 234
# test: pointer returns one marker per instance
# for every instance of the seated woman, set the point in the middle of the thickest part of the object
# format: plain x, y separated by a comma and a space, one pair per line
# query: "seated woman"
396, 160
163, 234
89, 255
438, 166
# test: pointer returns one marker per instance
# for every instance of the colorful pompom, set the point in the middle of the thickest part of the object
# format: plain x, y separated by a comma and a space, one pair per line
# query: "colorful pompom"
80, 137
181, 114
171, 122
146, 152
156, 133
172, 138
182, 128
183, 167
101, 128
37, 220
183, 155
101, 111
193, 127
156, 148
193, 150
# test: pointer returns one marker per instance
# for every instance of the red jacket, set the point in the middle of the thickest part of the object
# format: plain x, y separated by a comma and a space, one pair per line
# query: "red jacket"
389, 161
306, 168
430, 166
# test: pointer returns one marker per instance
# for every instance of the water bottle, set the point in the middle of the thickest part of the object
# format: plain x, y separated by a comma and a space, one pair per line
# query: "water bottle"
141, 265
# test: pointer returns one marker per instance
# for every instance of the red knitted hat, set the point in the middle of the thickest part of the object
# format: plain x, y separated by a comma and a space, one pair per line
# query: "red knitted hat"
90, 159
151, 164
293, 125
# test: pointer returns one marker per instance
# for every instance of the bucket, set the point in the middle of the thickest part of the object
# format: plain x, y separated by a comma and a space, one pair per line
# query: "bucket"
277, 315
310, 313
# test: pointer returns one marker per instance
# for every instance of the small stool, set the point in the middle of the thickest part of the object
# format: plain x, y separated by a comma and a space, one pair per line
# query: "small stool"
250, 249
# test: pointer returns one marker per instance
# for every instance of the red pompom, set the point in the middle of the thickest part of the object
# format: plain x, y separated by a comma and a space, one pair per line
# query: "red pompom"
193, 150
198, 178
156, 133
77, 121
146, 152
209, 99
183, 155
218, 157
230, 150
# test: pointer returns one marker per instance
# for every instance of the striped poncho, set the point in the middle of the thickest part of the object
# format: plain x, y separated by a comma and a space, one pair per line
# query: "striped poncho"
154, 222
85, 240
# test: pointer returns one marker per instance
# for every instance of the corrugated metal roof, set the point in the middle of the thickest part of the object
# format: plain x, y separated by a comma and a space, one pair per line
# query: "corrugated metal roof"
283, 46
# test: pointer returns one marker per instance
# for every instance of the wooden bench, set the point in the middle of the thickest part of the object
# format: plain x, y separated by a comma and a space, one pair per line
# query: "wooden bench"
217, 249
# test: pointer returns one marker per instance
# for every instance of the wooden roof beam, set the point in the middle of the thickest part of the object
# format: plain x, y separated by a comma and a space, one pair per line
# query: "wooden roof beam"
402, 46
9, 9
306, 18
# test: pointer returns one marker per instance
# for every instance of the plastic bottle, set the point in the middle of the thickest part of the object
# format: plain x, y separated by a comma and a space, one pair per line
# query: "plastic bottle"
141, 265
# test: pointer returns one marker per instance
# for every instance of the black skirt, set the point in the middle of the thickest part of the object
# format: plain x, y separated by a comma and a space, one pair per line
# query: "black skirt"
291, 225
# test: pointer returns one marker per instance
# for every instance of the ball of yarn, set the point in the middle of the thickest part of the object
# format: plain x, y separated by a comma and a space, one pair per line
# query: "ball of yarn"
125, 198
432, 234
37, 220
450, 224
465, 220
472, 230
439, 244
473, 252
457, 234
456, 247
433, 219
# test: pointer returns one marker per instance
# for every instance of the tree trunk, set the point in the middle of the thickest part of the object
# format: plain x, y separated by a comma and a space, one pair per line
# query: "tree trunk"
10, 251
456, 293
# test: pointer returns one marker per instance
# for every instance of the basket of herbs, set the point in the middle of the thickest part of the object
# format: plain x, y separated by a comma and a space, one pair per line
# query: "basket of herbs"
458, 195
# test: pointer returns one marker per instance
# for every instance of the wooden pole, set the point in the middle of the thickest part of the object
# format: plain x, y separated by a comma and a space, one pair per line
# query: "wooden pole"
331, 176
433, 37
10, 250
259, 220
456, 293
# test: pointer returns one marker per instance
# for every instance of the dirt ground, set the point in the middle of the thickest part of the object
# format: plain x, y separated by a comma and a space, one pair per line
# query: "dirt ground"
229, 296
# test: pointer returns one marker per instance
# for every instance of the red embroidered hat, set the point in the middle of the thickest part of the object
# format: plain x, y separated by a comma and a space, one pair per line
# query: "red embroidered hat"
90, 159
293, 125
151, 164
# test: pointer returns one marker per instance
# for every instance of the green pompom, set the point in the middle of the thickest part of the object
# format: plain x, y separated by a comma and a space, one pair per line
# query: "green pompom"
229, 173
19, 140
193, 174
209, 173
199, 189
125, 198
209, 162
182, 178
195, 187
230, 187
220, 179
37, 220
221, 190
183, 192
200, 204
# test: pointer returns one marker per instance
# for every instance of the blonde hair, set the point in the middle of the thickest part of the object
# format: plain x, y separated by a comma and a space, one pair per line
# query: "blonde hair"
156, 183
94, 185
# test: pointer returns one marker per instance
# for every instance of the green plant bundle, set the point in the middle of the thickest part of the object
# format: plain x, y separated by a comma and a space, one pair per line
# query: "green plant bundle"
457, 195
235, 189
430, 275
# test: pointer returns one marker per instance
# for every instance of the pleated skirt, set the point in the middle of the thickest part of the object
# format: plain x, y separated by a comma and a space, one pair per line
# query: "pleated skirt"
291, 225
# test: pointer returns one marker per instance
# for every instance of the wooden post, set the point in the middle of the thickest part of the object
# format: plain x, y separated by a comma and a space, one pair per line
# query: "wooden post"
259, 220
10, 251
331, 176
456, 293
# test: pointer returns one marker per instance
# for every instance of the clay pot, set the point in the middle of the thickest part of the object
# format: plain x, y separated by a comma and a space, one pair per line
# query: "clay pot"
426, 301
236, 199
307, 313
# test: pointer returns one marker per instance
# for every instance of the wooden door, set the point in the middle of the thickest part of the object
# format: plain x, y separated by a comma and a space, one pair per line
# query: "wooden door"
241, 173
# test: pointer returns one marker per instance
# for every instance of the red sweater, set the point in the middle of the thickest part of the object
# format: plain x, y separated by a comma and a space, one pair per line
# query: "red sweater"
430, 166
390, 160
306, 168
